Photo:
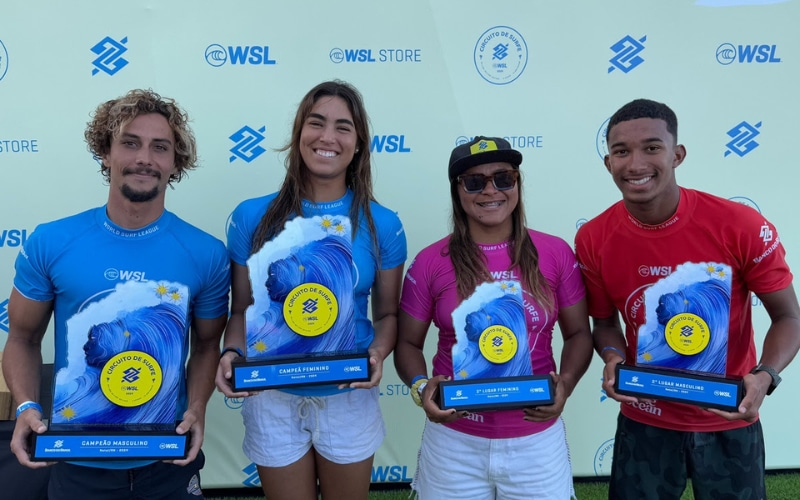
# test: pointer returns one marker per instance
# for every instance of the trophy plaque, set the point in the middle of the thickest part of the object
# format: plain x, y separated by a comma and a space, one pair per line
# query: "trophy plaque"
301, 327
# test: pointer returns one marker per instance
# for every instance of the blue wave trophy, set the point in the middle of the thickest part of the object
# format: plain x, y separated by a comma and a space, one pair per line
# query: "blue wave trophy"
682, 347
118, 400
301, 327
491, 358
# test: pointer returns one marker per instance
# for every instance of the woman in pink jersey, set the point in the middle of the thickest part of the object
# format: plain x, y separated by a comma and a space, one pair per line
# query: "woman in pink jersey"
492, 272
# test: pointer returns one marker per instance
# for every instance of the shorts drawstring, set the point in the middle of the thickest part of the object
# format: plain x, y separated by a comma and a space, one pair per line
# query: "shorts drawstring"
308, 404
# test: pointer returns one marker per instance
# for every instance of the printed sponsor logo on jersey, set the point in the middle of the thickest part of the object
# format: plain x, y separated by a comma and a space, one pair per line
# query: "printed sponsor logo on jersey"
365, 55
113, 274
4, 315
247, 144
646, 271
647, 407
13, 238
391, 474
626, 54
238, 55
728, 53
109, 56
3, 60
389, 144
766, 233
500, 55
743, 140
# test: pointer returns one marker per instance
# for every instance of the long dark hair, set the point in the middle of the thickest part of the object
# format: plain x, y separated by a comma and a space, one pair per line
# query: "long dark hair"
470, 263
358, 177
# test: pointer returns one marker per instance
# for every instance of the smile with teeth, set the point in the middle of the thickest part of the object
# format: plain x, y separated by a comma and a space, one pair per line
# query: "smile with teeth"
326, 153
491, 204
639, 182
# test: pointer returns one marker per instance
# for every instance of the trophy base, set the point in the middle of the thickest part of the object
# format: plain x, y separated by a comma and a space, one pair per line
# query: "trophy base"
703, 390
280, 372
89, 442
505, 393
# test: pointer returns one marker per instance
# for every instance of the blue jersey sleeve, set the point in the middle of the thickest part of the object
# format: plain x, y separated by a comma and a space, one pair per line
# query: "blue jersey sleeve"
32, 279
212, 301
391, 237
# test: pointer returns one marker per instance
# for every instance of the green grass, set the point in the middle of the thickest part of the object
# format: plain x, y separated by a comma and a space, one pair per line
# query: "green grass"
779, 487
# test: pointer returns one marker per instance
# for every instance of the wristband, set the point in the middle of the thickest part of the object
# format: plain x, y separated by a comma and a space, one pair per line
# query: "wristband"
610, 348
27, 405
419, 381
231, 349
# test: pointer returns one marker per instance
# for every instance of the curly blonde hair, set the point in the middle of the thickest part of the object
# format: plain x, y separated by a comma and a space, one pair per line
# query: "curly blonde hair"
112, 116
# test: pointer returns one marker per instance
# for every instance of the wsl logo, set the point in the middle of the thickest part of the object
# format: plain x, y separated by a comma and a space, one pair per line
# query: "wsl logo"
600, 139
109, 56
234, 403
112, 274
500, 55
247, 144
255, 55
727, 54
389, 144
626, 54
13, 237
580, 222
743, 140
3, 60
4, 315
339, 56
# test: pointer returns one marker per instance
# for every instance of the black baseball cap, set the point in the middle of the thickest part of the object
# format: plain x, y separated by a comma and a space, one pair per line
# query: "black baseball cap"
482, 150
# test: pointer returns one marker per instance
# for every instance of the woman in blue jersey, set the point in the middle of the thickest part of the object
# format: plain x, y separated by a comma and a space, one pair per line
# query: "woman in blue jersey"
303, 437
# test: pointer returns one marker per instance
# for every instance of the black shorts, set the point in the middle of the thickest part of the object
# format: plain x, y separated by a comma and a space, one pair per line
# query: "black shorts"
157, 481
654, 463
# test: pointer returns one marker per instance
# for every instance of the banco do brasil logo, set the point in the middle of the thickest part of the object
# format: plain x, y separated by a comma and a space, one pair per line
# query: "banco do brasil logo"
500, 55
743, 138
247, 144
3, 60
626, 54
109, 55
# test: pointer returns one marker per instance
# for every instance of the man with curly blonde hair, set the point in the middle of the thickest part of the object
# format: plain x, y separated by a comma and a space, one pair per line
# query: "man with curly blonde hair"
73, 269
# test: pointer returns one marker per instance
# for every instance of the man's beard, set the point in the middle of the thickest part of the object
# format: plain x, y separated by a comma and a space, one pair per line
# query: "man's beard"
138, 196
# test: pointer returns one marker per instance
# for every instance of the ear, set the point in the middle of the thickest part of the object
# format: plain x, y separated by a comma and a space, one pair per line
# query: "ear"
607, 163
680, 155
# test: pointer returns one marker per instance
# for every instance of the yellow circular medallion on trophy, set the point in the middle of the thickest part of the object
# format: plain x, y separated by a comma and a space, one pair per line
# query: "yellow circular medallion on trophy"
498, 344
131, 378
310, 309
687, 334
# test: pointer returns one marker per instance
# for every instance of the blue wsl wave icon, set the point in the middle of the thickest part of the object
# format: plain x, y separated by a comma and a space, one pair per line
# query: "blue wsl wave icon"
743, 140
109, 56
627, 52
247, 145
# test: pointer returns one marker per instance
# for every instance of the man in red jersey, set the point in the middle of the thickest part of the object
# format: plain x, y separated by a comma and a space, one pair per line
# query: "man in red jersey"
663, 251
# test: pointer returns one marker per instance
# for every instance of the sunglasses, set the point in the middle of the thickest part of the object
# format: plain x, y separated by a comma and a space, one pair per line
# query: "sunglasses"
502, 181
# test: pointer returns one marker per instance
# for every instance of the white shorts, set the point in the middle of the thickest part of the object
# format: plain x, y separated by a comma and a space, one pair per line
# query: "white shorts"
452, 464
280, 427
